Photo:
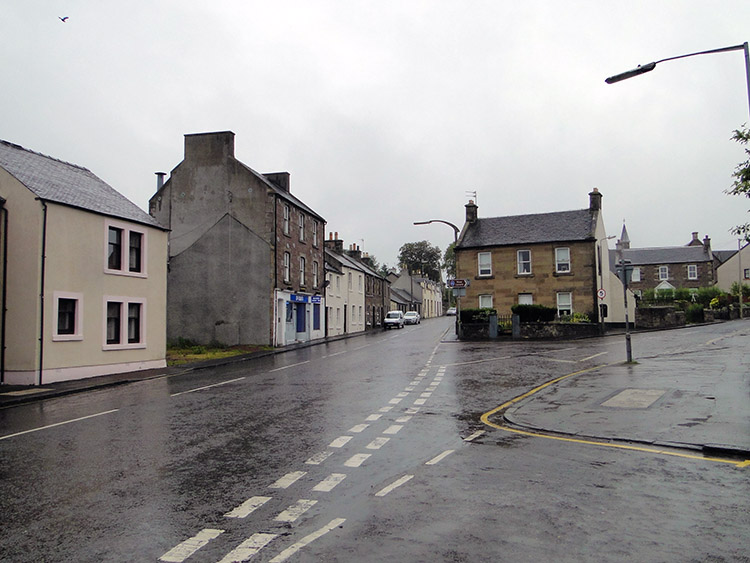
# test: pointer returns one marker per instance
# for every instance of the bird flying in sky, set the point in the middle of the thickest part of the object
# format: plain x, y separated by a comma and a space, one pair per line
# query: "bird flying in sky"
64, 19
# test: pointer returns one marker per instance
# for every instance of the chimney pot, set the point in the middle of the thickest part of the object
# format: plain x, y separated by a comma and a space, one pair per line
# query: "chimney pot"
159, 179
595, 200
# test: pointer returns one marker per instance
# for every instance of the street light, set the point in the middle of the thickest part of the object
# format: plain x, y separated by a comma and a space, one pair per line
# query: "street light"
456, 230
641, 69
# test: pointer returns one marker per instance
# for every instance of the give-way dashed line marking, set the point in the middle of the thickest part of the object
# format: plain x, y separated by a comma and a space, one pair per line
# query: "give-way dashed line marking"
179, 553
437, 459
206, 387
57, 424
248, 548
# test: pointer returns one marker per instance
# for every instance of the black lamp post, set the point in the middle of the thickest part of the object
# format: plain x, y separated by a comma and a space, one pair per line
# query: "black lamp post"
641, 69
456, 231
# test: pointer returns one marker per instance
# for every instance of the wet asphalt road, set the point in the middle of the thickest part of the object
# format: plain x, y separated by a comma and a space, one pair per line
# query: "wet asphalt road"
362, 449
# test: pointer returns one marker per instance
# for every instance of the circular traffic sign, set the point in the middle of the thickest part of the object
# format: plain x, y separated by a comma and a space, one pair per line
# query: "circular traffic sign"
601, 293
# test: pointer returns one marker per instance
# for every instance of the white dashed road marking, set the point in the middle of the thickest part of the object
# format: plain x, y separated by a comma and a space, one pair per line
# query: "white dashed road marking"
340, 442
377, 443
474, 436
248, 548
319, 458
356, 460
373, 417
289, 551
327, 484
358, 428
392, 429
247, 507
296, 510
439, 458
385, 490
179, 553
288, 480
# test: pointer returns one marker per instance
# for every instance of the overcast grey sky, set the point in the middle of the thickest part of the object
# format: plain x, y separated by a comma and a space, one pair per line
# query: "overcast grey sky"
388, 112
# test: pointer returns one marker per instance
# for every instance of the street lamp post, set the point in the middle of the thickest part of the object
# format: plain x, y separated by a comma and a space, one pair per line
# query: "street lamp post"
456, 231
641, 69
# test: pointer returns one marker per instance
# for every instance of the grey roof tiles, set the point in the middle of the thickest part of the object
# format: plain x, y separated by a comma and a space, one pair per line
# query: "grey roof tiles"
68, 184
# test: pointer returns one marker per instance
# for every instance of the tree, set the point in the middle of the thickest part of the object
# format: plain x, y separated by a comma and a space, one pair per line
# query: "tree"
741, 175
421, 257
449, 260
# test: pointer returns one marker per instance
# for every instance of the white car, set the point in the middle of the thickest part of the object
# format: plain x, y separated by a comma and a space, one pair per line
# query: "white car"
412, 318
393, 319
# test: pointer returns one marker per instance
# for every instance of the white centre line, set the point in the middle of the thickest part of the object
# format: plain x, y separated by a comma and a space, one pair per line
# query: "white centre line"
57, 424
290, 366
287, 480
296, 510
340, 442
474, 436
385, 409
289, 551
373, 417
402, 394
358, 428
385, 490
395, 401
248, 548
393, 429
327, 484
319, 458
426, 394
247, 507
179, 553
377, 443
412, 410
420, 401
356, 460
437, 459
206, 387
406, 418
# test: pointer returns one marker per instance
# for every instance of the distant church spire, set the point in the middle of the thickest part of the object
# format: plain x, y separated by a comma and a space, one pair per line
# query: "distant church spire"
624, 242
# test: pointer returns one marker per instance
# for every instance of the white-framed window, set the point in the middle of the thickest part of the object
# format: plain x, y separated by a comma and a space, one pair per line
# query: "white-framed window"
302, 270
523, 262
285, 220
746, 273
636, 277
68, 315
338, 285
287, 266
484, 260
692, 271
485, 301
525, 299
125, 249
124, 323
315, 273
301, 226
562, 260
360, 283
315, 233
564, 303
663, 272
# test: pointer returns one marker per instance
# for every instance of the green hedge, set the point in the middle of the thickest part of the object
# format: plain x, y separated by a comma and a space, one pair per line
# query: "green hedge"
477, 315
534, 313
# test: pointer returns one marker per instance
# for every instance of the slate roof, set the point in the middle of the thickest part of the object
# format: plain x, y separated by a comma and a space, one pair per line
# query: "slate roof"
558, 226
68, 184
723, 255
663, 255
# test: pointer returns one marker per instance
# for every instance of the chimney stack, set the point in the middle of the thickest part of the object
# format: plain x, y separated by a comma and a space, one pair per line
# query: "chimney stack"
595, 200
334, 243
279, 179
471, 212
159, 179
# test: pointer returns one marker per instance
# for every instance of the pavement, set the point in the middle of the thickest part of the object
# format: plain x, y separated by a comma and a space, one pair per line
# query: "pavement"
698, 401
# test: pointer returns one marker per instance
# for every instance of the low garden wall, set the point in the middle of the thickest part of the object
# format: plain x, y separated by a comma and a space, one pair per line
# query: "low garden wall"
659, 317
539, 331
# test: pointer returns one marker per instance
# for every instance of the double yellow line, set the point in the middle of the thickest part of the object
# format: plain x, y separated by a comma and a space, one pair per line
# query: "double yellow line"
485, 418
